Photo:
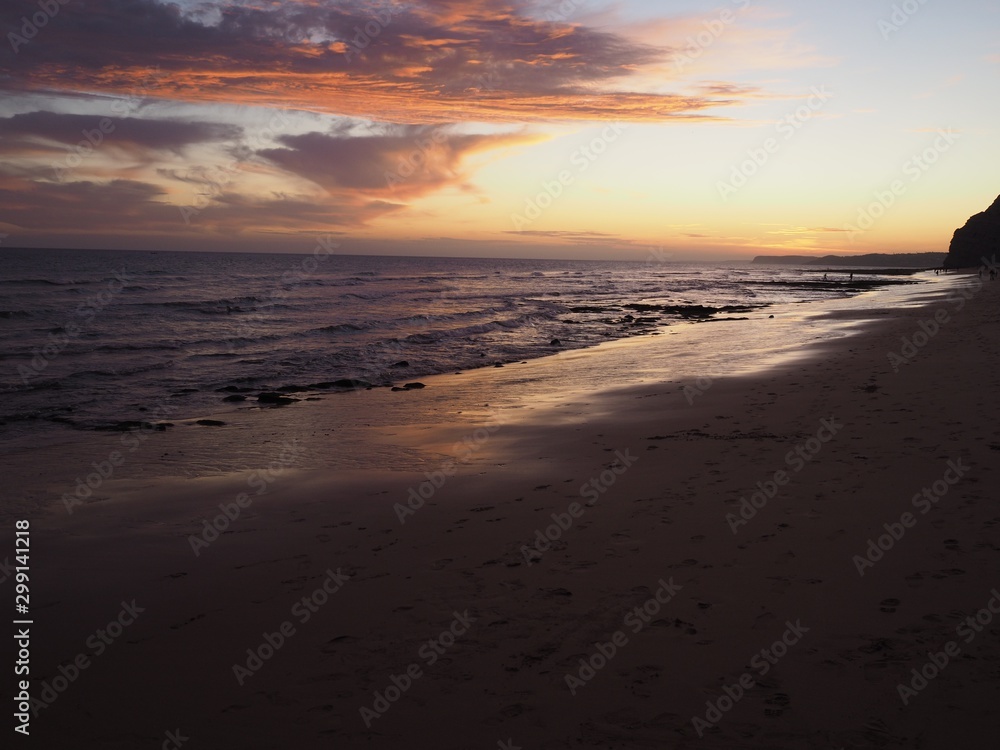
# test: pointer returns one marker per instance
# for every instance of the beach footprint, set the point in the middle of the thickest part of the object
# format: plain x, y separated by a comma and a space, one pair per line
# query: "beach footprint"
778, 702
763, 618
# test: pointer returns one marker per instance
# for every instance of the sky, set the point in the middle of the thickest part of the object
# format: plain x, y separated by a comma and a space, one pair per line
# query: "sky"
570, 129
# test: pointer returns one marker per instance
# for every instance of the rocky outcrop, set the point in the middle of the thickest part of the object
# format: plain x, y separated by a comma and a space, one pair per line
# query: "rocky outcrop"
979, 238
349, 384
274, 399
410, 387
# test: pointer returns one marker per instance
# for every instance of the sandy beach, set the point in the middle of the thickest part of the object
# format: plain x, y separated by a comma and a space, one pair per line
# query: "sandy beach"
756, 561
493, 375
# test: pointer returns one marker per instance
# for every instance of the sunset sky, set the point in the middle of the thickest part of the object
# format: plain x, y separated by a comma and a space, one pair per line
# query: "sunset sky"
578, 129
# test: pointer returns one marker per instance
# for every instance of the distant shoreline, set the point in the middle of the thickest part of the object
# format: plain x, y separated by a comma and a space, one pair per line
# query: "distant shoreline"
912, 261
876, 260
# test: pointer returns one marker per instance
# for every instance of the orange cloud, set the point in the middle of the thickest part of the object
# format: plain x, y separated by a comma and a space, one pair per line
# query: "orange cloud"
424, 62
403, 163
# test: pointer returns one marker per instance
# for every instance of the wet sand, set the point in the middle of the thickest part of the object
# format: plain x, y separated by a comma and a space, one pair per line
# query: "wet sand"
460, 619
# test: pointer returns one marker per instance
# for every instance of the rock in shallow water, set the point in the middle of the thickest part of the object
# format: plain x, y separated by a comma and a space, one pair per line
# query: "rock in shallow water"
128, 425
274, 399
410, 387
350, 384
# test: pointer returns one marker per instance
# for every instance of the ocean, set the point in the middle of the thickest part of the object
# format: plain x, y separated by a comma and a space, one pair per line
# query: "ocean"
95, 340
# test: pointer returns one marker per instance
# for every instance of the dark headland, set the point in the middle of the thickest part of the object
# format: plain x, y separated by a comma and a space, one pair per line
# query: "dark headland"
978, 239
971, 245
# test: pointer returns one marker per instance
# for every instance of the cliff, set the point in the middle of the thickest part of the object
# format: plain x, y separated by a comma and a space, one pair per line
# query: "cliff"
979, 238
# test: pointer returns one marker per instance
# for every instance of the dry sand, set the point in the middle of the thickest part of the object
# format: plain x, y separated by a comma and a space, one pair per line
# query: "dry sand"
502, 681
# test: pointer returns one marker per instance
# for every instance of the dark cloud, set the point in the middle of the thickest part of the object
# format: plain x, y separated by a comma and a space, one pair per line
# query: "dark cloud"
422, 65
121, 204
135, 207
425, 61
365, 177
564, 234
238, 213
71, 129
405, 161
585, 237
